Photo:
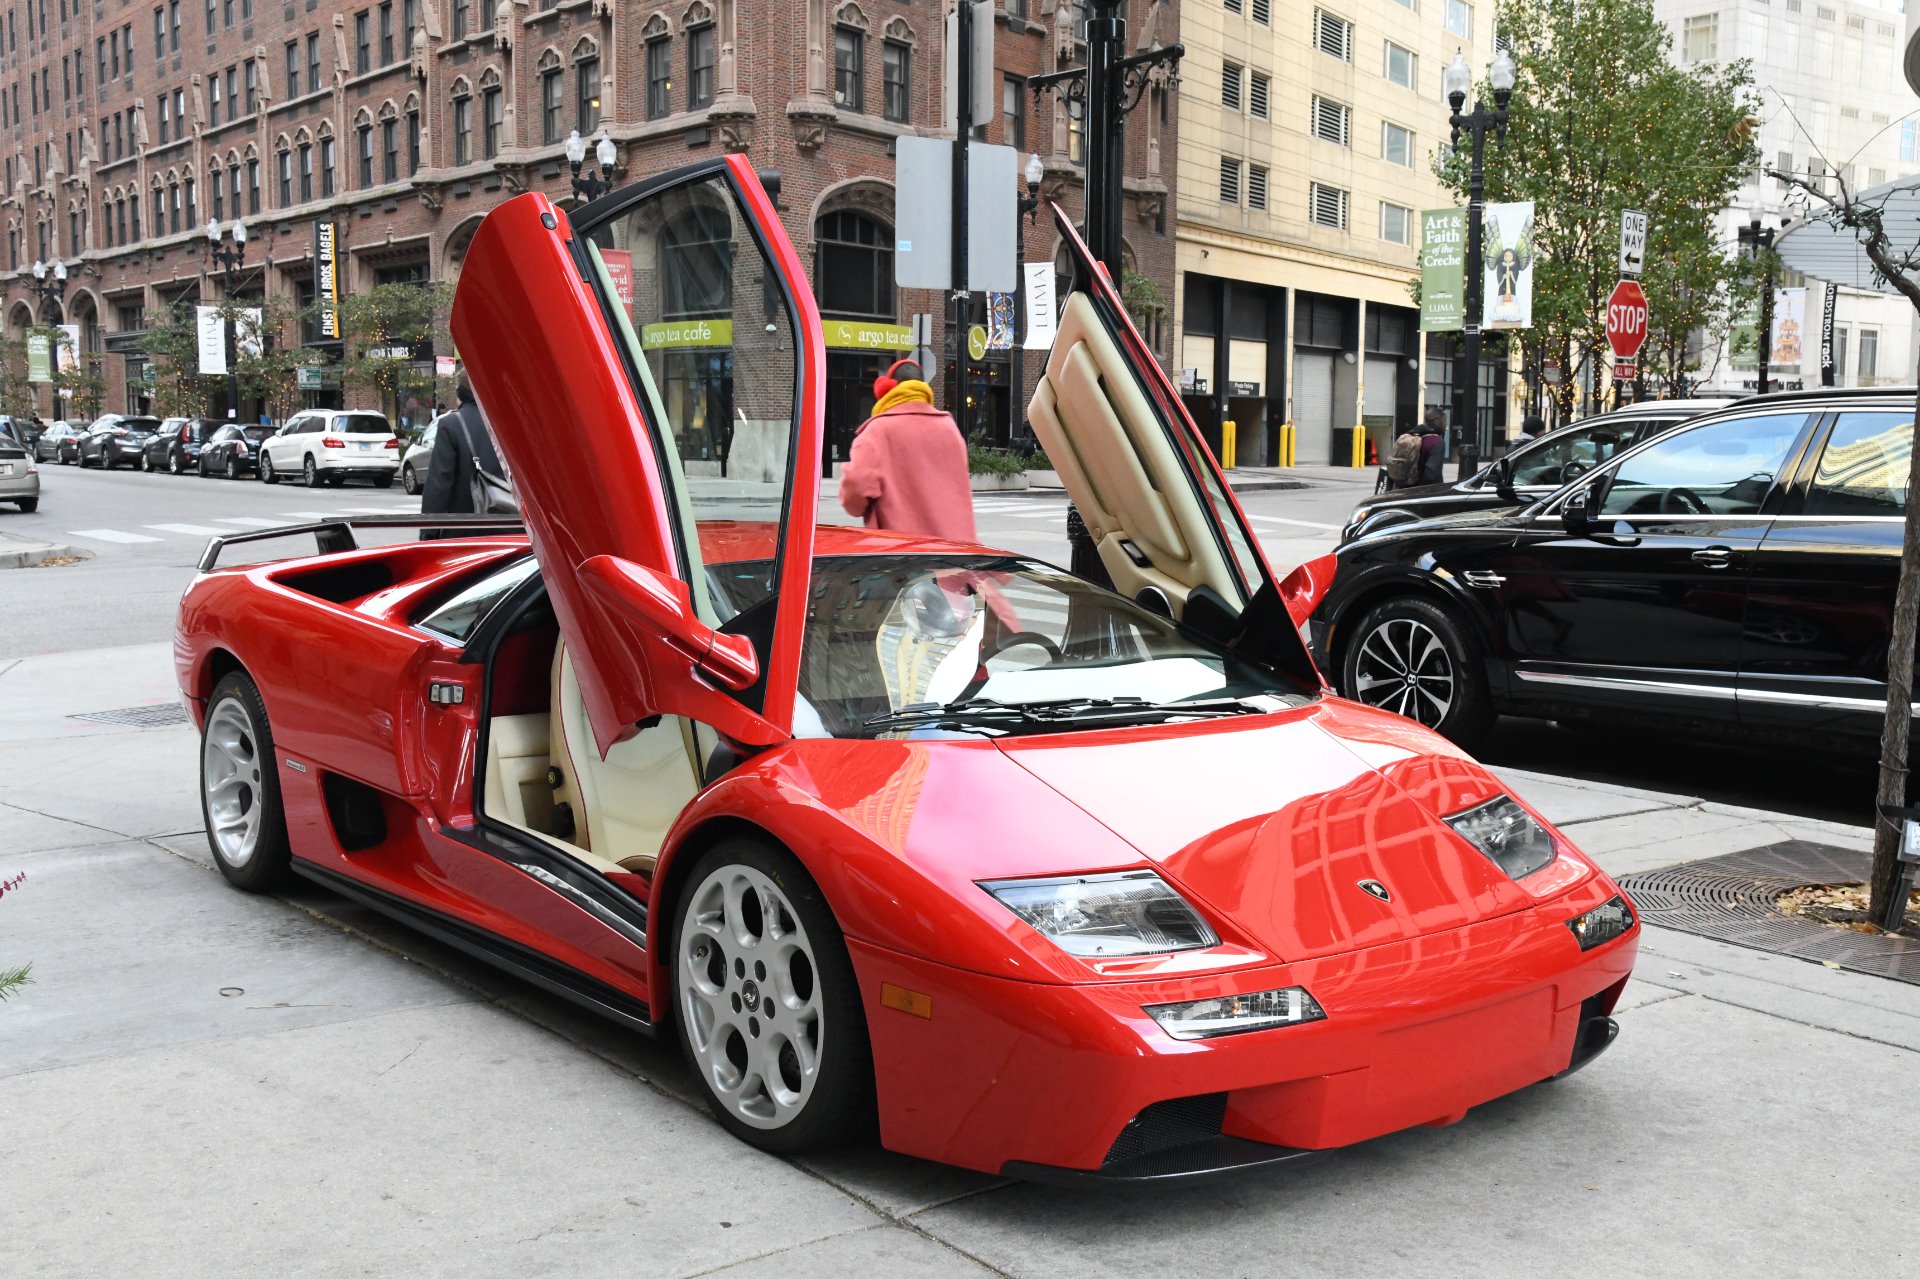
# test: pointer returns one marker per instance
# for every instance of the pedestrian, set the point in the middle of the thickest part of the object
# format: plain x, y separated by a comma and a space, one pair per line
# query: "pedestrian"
1532, 427
907, 469
463, 459
1433, 448
1403, 460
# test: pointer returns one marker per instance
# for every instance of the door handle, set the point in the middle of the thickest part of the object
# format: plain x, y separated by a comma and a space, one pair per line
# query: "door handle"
1714, 556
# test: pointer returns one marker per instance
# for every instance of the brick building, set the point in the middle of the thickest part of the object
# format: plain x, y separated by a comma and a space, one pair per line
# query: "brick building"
129, 124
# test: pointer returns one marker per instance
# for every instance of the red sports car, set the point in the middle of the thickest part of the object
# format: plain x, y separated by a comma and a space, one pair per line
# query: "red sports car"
1031, 875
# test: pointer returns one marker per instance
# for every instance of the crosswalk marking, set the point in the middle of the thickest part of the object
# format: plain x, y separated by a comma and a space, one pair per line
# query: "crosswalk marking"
396, 509
251, 521
1275, 519
308, 515
108, 535
192, 530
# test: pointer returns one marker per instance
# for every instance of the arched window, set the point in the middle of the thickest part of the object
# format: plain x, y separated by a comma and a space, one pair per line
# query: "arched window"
853, 265
462, 122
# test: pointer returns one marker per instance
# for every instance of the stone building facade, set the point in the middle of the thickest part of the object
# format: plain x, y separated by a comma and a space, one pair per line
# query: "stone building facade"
130, 124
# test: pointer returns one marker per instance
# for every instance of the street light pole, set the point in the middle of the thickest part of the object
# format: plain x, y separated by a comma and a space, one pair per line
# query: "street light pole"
1478, 123
228, 258
600, 180
51, 284
1759, 238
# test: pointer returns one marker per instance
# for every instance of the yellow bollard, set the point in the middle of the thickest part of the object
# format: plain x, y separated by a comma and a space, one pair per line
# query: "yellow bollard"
1229, 439
1359, 447
1287, 436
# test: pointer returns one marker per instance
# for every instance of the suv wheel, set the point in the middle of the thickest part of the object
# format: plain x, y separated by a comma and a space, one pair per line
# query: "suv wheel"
1412, 657
309, 474
267, 475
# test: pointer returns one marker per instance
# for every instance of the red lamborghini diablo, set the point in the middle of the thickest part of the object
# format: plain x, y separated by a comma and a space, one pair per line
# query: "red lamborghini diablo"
1025, 873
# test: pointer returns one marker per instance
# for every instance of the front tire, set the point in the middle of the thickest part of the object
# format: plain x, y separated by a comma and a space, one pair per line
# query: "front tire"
267, 475
309, 474
768, 1010
1414, 658
146, 462
240, 788
409, 481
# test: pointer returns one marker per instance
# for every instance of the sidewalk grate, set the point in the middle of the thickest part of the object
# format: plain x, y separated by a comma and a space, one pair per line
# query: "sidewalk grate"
1731, 898
163, 715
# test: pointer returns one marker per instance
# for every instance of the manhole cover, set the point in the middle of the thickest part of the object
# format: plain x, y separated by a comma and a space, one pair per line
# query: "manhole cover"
160, 716
1731, 899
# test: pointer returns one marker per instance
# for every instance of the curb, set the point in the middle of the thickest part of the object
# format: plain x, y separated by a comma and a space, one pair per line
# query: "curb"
32, 553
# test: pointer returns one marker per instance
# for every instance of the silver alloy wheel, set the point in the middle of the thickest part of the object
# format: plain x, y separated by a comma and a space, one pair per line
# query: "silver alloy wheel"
1404, 667
266, 467
750, 994
309, 476
230, 767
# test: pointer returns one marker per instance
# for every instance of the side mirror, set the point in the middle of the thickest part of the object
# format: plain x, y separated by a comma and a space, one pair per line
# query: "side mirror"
664, 605
1503, 478
1306, 586
1577, 513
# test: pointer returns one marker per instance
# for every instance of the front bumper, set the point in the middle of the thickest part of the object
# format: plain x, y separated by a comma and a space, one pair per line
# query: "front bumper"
1073, 1082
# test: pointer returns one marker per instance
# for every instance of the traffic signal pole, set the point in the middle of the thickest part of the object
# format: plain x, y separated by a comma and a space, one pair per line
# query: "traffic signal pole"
962, 137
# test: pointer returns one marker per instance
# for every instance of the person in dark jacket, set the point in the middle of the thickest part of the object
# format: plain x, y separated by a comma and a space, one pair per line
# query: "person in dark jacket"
461, 438
1433, 448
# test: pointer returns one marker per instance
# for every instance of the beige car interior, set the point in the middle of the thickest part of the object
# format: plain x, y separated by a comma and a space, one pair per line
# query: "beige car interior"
1115, 459
622, 806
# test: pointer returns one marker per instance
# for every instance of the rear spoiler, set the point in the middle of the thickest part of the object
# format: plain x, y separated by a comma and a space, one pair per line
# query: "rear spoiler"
336, 535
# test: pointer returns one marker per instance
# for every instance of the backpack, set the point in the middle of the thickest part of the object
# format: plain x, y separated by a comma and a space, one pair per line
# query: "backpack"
1403, 465
489, 493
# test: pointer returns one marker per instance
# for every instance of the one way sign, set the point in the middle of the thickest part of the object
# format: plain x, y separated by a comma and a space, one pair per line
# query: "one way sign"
1633, 241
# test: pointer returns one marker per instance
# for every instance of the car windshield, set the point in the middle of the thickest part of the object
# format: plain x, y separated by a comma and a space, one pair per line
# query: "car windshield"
362, 424
258, 433
139, 423
920, 645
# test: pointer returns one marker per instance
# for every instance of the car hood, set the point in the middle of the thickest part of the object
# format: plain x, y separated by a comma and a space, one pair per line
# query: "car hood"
1272, 824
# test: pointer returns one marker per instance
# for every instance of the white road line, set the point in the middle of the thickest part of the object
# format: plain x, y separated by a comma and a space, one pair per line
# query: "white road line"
309, 515
397, 509
108, 535
1275, 519
192, 530
251, 521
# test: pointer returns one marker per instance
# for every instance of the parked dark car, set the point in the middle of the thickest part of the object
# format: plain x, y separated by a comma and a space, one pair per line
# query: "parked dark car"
233, 450
1532, 470
1736, 573
58, 443
113, 439
175, 447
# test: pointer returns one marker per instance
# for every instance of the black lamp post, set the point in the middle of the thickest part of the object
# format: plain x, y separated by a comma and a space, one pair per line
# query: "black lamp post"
228, 256
600, 181
50, 282
1478, 123
1758, 238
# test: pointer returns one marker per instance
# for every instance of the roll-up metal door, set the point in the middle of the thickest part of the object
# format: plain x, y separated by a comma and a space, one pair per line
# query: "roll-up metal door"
1313, 407
1382, 385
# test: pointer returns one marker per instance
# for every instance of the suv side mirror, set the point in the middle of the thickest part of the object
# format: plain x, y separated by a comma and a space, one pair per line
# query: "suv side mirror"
1502, 478
1577, 513
664, 605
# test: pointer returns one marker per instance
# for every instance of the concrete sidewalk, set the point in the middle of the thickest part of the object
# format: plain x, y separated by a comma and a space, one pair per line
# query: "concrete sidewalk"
200, 1083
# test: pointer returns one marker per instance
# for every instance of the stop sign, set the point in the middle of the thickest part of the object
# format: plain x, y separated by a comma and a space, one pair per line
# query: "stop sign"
1626, 319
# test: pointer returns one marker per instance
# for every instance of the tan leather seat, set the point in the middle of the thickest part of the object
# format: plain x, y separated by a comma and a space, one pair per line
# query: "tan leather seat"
622, 805
517, 791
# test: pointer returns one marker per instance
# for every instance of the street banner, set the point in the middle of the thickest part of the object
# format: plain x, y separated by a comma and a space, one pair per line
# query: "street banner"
1000, 321
1789, 331
1828, 303
1042, 315
326, 279
212, 333
1507, 255
619, 263
66, 351
1443, 270
39, 357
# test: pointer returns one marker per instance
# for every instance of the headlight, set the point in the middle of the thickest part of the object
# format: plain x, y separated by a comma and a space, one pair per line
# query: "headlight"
1508, 834
1602, 924
1106, 916
1236, 1014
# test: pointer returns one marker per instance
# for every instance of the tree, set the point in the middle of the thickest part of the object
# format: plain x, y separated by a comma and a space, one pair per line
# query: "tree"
380, 330
1600, 122
172, 347
16, 393
1896, 263
77, 381
268, 355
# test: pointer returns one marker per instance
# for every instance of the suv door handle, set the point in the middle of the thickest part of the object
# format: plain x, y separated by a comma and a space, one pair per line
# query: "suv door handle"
1714, 556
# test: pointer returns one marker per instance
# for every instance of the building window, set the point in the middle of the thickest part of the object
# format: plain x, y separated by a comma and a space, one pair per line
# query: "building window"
213, 7
1229, 181
389, 150
1256, 186
460, 10
490, 122
409, 19
1869, 357
218, 186
386, 34
1332, 121
253, 186
893, 80
1402, 66
313, 62
233, 94
586, 74
233, 188
659, 78
1230, 79
849, 68
1076, 130
1700, 37
1013, 112
166, 117
159, 32
462, 129
1333, 35
1327, 206
293, 68
1259, 93
553, 98
1396, 144
286, 178
1460, 19
173, 26
366, 155
253, 86
306, 172
700, 68
854, 265
362, 43
413, 142
1396, 224
326, 167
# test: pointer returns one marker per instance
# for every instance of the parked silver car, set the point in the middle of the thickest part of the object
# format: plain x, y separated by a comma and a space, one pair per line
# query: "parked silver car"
19, 475
414, 466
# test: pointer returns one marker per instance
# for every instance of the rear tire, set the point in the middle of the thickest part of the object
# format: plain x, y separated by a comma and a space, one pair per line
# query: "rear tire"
1415, 658
240, 788
383, 481
106, 460
176, 462
769, 1013
28, 505
233, 467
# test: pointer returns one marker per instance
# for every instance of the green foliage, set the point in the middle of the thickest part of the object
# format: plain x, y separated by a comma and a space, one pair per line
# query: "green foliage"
16, 393
982, 460
389, 319
172, 347
11, 979
269, 356
1601, 121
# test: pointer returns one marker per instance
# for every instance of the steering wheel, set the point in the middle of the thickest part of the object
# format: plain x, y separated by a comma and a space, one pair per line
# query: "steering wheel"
1014, 640
1574, 470
1683, 501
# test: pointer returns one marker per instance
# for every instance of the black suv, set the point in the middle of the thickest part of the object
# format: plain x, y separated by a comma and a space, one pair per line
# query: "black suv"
1735, 573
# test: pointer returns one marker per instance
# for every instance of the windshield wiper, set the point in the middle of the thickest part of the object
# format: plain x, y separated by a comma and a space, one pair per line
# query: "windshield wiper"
985, 712
978, 712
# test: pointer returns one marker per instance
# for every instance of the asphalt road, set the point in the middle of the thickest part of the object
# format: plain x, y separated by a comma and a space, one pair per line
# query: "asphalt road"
145, 532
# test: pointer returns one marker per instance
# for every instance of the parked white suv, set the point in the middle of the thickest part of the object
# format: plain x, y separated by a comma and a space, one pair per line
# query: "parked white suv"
332, 446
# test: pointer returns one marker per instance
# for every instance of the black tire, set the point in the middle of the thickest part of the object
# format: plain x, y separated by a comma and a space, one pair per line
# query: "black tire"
383, 481
106, 459
146, 462
267, 866
267, 474
233, 466
28, 505
1448, 689
176, 462
409, 480
840, 1108
310, 474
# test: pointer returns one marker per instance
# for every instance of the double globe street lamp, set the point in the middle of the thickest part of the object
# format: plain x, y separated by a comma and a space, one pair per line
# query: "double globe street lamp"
600, 181
1479, 122
50, 282
228, 256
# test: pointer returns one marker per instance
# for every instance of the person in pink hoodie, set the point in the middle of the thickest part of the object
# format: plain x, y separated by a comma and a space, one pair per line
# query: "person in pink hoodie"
907, 470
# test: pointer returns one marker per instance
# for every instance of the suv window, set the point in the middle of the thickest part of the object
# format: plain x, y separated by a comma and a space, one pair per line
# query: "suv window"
1568, 454
361, 424
1863, 470
1723, 468
456, 618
